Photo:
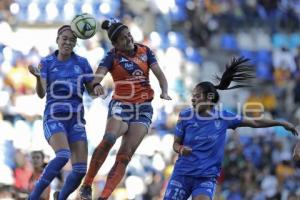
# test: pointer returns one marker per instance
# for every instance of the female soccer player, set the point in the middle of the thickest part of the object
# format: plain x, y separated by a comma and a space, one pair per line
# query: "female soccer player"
200, 136
38, 164
63, 76
130, 109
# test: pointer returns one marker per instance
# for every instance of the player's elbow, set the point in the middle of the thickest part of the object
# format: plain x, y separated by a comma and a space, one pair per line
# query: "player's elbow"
41, 94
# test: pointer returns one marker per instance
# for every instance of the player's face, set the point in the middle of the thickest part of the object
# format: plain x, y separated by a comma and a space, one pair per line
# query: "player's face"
37, 160
66, 42
199, 100
124, 41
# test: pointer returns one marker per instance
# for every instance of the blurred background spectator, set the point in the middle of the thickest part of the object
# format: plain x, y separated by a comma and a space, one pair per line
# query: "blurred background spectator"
193, 40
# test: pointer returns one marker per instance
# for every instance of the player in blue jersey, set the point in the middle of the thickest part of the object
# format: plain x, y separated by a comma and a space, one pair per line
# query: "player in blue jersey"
200, 136
63, 77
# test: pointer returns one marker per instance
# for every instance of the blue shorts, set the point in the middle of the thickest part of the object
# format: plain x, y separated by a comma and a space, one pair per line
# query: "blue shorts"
72, 124
182, 187
130, 112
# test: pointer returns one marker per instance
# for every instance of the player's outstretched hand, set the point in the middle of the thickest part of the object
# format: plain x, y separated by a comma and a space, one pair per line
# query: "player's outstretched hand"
290, 127
34, 71
165, 96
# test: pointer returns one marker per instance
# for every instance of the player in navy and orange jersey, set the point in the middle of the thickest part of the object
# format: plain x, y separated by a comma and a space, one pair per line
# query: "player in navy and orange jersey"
130, 110
63, 76
201, 132
37, 160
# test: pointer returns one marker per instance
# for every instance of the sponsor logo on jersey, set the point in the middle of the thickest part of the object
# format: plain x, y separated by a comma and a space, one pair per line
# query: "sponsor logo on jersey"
54, 69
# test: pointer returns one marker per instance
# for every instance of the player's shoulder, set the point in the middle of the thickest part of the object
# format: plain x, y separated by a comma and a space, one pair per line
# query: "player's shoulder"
49, 58
111, 53
142, 47
186, 112
78, 57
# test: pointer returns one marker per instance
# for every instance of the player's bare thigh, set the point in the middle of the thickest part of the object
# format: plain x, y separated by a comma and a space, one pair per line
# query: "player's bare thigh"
116, 126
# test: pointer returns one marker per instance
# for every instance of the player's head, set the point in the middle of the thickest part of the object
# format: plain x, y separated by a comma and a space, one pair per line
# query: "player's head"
65, 40
37, 158
205, 94
119, 35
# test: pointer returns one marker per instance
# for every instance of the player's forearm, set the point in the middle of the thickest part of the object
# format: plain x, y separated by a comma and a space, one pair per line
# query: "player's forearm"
39, 88
163, 83
261, 123
99, 75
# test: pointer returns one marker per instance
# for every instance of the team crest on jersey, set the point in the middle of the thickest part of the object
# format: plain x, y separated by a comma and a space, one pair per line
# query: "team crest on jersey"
143, 57
218, 124
77, 69
137, 72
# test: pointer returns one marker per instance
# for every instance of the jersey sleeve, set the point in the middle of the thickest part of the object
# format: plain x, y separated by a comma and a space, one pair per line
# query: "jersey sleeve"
151, 58
43, 69
233, 119
179, 129
88, 72
107, 61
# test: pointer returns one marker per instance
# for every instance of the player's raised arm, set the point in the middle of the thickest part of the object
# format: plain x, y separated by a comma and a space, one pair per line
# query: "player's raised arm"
163, 83
261, 123
40, 86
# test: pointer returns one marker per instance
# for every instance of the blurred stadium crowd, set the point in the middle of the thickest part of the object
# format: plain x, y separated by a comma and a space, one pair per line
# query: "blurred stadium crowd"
193, 40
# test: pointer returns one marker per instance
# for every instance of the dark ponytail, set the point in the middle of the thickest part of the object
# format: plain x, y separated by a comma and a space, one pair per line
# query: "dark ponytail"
239, 71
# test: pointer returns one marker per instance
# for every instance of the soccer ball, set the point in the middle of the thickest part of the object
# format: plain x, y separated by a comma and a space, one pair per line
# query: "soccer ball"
84, 26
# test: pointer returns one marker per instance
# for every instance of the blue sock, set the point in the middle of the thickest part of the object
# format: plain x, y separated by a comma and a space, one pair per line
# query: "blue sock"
73, 180
50, 172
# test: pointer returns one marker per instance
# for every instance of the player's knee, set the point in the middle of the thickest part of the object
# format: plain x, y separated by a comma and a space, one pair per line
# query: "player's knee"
123, 158
110, 138
63, 154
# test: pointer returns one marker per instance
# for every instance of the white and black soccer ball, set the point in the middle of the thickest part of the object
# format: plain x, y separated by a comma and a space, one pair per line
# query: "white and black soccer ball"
84, 26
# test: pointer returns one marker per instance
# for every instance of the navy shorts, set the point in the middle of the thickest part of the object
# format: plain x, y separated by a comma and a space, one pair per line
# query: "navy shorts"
181, 187
72, 124
130, 112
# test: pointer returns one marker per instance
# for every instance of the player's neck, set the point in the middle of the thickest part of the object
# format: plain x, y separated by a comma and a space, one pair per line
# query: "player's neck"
62, 57
204, 113
130, 52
